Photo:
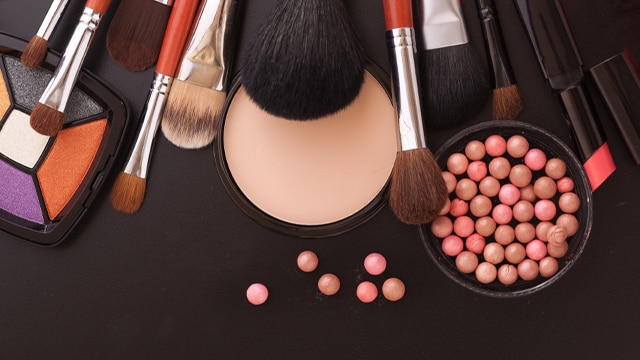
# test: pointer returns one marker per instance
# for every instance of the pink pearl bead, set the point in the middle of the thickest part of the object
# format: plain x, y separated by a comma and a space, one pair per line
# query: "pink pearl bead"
463, 226
452, 245
535, 159
257, 294
495, 145
502, 214
375, 264
536, 249
477, 170
545, 210
565, 184
307, 261
509, 194
475, 243
367, 292
458, 207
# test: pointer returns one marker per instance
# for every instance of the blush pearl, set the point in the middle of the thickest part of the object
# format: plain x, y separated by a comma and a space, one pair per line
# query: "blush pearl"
569, 202
520, 175
450, 181
528, 269
548, 266
570, 222
528, 194
458, 207
502, 214
480, 205
545, 210
507, 274
535, 159
442, 226
544, 187
556, 235
466, 262
542, 229
489, 186
257, 294
525, 232
536, 250
477, 170
555, 168
565, 184
446, 207
375, 264
367, 292
452, 245
504, 234
559, 250
523, 211
485, 226
457, 163
499, 168
509, 194
466, 189
475, 243
517, 146
329, 284
493, 253
393, 289
495, 145
463, 226
307, 261
515, 253
475, 150
486, 273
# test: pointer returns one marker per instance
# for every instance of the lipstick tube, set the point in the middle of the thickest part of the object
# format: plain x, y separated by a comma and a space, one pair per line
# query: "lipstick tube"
560, 61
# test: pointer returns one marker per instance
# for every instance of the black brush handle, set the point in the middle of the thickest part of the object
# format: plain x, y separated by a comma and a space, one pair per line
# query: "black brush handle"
501, 71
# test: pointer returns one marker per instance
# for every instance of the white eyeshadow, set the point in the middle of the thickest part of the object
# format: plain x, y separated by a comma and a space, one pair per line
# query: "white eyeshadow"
19, 142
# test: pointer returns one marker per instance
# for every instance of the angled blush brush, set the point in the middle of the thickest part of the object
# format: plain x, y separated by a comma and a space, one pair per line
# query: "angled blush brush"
455, 82
506, 101
306, 61
417, 191
135, 33
200, 87
47, 116
33, 55
129, 189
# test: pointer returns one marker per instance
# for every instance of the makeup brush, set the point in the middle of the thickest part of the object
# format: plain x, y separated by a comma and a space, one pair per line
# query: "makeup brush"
47, 116
507, 101
36, 50
200, 87
455, 82
306, 61
130, 186
417, 191
135, 32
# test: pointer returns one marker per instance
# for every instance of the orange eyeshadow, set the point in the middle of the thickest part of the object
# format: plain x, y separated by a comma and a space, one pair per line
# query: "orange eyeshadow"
67, 164
5, 102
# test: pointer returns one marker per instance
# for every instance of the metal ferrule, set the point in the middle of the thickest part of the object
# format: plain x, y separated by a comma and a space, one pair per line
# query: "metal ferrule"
405, 88
59, 88
165, 2
209, 54
51, 19
441, 23
138, 163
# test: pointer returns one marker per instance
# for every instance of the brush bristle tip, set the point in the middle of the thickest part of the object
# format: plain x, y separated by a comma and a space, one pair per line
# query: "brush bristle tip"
128, 192
45, 120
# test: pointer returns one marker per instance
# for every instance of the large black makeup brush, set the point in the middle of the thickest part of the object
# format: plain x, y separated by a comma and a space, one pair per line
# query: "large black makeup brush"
507, 101
455, 82
306, 61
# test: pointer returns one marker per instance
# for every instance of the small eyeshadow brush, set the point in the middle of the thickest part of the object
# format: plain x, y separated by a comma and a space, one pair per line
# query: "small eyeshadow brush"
455, 82
506, 101
135, 32
129, 189
36, 50
417, 191
306, 61
200, 87
47, 116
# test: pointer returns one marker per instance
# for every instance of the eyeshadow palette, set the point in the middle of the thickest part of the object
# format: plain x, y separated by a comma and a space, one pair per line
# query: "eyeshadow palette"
47, 183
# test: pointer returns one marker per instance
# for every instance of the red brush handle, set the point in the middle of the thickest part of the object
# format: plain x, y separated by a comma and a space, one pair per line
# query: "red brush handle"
175, 36
397, 14
100, 6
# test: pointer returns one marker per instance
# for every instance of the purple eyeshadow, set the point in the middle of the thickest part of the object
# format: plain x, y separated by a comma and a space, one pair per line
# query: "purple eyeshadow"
18, 194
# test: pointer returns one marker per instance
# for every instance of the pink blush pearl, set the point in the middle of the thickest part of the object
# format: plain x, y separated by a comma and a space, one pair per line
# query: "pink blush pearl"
367, 292
307, 261
375, 264
495, 145
502, 214
445, 209
463, 226
545, 210
535, 159
452, 245
475, 243
457, 163
565, 184
536, 250
458, 207
509, 194
477, 170
257, 294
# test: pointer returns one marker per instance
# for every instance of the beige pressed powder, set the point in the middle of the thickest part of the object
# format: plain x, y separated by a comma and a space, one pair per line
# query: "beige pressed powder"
312, 172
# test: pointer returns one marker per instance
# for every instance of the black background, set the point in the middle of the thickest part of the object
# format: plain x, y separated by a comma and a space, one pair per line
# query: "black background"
170, 281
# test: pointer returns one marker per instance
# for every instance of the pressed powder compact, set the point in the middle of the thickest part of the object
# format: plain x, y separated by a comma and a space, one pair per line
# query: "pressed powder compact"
311, 178
47, 183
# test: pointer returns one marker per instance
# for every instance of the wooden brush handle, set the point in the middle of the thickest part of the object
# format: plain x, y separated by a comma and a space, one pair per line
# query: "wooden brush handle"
175, 36
397, 14
100, 6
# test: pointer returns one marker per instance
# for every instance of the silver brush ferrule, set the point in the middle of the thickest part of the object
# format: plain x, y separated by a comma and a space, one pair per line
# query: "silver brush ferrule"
405, 88
208, 55
441, 23
51, 19
164, 2
138, 162
64, 78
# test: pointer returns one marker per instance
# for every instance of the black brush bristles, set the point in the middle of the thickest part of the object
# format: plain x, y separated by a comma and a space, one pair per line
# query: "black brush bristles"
306, 61
135, 34
455, 84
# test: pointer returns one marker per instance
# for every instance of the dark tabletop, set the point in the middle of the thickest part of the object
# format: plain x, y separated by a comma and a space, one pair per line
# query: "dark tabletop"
169, 282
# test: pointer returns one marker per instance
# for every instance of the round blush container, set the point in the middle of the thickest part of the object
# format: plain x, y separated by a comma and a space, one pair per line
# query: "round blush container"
311, 178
